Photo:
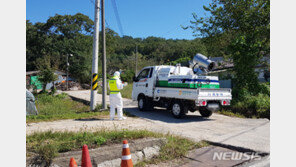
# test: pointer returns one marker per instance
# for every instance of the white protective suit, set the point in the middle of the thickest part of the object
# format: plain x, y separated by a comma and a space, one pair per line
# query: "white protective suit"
30, 104
116, 99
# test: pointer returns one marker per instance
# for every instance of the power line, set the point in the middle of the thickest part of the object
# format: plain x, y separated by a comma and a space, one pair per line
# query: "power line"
92, 1
107, 23
117, 16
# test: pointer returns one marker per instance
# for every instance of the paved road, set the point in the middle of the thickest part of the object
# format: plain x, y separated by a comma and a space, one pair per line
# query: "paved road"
246, 133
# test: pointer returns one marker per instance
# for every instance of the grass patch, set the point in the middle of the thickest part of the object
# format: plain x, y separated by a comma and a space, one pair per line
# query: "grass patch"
175, 149
126, 92
61, 106
70, 141
231, 114
49, 144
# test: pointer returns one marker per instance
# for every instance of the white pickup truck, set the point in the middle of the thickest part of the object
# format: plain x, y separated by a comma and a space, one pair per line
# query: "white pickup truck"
179, 90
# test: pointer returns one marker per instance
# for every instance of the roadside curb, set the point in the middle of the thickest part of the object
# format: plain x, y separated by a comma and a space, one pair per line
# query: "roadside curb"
107, 155
237, 148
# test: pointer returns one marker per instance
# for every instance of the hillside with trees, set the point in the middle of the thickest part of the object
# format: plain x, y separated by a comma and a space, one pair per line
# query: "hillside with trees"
49, 43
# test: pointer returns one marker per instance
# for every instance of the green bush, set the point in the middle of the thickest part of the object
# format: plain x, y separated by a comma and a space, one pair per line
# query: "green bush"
126, 92
253, 105
47, 152
46, 76
127, 76
264, 88
184, 61
53, 90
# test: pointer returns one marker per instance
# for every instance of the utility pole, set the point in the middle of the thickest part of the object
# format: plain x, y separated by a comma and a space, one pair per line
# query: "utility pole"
136, 72
94, 80
104, 96
67, 79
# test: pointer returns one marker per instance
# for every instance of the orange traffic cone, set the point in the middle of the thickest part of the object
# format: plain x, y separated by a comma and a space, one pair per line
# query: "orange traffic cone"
85, 160
126, 160
72, 163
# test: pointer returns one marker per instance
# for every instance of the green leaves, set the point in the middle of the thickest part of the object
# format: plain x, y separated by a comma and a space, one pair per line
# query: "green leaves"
239, 28
46, 76
69, 25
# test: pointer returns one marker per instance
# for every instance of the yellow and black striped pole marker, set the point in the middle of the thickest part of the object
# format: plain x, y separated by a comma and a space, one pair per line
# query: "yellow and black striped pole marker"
94, 81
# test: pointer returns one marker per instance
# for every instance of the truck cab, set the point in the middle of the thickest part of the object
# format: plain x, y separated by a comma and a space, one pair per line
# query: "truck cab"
145, 82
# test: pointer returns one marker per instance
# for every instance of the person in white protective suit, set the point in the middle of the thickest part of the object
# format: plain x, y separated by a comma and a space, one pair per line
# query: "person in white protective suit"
115, 85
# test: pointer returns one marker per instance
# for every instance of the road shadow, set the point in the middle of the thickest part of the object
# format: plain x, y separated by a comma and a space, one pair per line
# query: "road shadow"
157, 114
166, 116
92, 119
85, 102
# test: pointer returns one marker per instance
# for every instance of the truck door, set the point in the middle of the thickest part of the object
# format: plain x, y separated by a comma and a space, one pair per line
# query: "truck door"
143, 83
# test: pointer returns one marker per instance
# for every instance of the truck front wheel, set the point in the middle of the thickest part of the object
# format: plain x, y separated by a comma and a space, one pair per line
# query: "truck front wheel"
178, 109
204, 112
144, 104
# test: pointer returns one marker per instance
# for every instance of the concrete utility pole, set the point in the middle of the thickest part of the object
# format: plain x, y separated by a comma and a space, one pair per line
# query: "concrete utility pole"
67, 79
136, 72
104, 104
94, 80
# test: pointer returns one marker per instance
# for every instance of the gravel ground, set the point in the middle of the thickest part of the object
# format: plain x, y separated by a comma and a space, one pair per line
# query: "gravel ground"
246, 133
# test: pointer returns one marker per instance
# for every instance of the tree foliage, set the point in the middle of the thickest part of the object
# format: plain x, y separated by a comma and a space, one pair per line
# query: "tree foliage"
49, 43
239, 29
46, 76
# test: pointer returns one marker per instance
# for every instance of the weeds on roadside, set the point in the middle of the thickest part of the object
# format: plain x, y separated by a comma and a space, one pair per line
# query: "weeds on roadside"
231, 114
61, 106
47, 152
49, 144
69, 141
175, 149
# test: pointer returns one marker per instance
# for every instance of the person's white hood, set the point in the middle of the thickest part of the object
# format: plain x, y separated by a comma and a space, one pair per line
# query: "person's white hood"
117, 74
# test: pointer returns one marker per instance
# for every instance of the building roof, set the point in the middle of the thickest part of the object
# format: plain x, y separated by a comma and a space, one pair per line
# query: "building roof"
36, 72
59, 72
32, 72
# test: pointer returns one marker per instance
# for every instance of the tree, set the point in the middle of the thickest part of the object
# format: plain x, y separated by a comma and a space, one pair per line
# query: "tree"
46, 76
242, 27
49, 43
38, 44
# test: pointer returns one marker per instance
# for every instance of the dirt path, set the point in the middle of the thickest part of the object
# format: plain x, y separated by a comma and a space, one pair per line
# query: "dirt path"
246, 133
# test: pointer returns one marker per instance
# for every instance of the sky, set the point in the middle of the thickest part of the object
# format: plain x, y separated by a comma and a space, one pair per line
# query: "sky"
139, 18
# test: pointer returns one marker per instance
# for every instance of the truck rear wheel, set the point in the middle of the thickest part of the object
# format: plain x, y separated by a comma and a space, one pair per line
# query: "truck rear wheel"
178, 109
204, 112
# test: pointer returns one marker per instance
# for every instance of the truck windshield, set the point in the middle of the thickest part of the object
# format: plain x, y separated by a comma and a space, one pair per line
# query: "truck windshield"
144, 74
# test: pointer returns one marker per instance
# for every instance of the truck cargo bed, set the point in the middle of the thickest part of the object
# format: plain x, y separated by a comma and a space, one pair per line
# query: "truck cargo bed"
193, 94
